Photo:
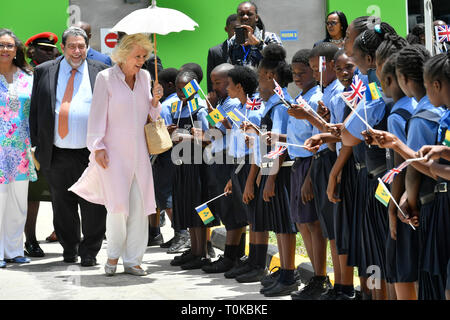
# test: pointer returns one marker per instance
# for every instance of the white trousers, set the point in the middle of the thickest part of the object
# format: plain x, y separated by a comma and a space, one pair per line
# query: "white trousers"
127, 236
13, 215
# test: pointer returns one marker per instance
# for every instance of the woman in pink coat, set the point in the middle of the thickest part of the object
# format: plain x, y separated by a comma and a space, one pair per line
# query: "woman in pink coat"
119, 174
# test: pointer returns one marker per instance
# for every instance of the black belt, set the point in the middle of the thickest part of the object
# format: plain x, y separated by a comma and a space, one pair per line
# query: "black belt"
322, 153
360, 166
441, 188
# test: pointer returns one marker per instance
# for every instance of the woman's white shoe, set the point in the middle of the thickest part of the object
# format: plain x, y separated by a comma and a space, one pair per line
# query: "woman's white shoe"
110, 269
135, 271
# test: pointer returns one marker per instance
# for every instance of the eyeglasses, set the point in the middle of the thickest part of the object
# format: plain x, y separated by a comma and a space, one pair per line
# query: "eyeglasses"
7, 46
331, 23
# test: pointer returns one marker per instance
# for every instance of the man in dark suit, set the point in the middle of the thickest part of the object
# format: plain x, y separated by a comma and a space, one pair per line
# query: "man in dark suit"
91, 53
219, 54
59, 111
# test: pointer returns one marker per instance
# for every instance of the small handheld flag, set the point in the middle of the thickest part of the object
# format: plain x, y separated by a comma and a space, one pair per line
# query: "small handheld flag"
382, 195
214, 117
355, 95
278, 90
447, 138
253, 104
276, 153
205, 213
176, 106
191, 88
302, 103
279, 143
373, 93
235, 118
322, 64
442, 33
193, 104
390, 175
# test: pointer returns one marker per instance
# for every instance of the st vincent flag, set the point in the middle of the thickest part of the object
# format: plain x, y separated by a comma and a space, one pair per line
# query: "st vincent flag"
205, 213
382, 195
214, 117
191, 88
175, 106
374, 92
447, 138
193, 104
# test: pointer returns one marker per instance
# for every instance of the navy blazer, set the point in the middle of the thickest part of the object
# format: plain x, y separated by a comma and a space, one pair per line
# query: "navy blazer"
95, 55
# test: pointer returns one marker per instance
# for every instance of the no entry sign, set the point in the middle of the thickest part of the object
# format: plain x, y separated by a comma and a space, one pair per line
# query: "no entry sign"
108, 40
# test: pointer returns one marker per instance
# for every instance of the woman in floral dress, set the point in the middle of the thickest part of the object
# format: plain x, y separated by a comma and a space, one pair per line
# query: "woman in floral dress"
16, 164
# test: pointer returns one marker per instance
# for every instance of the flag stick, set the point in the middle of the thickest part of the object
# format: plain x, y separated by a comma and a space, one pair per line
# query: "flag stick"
248, 121
357, 114
417, 159
395, 202
289, 144
212, 199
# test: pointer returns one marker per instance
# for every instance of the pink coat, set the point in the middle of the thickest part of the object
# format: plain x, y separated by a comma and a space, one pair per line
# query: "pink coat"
116, 124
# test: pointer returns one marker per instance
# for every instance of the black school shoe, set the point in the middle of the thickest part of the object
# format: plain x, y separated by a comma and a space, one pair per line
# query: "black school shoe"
223, 264
271, 278
330, 294
182, 259
279, 289
196, 263
32, 249
243, 266
254, 275
313, 290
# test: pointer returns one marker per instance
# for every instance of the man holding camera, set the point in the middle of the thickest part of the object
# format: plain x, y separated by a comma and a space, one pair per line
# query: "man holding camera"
250, 37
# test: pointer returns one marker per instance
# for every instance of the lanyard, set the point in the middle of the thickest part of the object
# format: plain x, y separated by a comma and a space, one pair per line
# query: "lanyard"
246, 52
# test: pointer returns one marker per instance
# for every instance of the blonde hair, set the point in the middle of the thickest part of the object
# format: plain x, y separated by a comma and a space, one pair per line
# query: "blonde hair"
127, 44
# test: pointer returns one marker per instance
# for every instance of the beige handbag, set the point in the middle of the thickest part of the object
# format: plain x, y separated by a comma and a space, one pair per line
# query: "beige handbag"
157, 136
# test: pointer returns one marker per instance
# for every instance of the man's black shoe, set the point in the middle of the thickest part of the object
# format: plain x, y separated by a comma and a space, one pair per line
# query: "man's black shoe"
88, 262
223, 264
32, 249
254, 275
280, 289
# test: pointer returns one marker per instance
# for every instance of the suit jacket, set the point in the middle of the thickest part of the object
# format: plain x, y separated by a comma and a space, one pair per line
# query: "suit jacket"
42, 107
95, 55
216, 56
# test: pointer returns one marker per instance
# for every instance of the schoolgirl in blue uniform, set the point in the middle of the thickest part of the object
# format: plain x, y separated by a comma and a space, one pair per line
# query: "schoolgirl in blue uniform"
190, 181
271, 211
433, 223
242, 83
422, 130
220, 171
374, 219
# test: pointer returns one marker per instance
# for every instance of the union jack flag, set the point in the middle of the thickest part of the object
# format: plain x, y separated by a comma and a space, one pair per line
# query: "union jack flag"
276, 153
390, 175
443, 33
278, 90
253, 104
356, 93
322, 64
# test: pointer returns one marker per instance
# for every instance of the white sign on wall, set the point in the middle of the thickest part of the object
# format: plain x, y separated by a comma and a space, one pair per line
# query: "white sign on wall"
108, 40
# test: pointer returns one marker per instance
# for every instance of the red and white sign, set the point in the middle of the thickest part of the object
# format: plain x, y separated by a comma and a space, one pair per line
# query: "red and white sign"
108, 40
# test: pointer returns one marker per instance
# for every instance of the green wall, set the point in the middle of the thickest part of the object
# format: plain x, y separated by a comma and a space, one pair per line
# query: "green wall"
392, 11
29, 17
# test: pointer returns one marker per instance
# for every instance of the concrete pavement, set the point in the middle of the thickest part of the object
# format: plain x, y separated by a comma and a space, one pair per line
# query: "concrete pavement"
49, 278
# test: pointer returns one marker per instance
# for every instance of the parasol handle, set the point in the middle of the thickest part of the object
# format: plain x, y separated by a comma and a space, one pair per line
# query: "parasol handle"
153, 3
154, 52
